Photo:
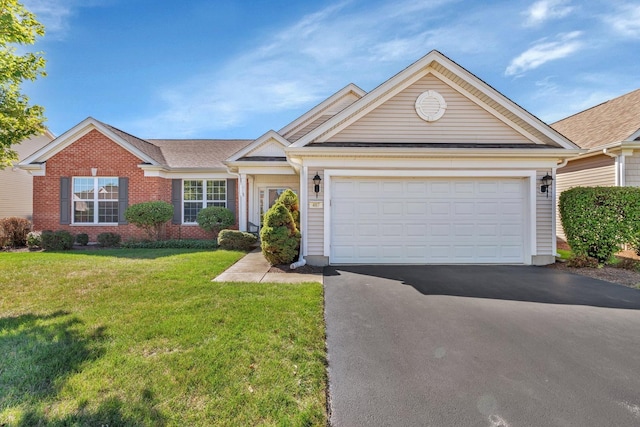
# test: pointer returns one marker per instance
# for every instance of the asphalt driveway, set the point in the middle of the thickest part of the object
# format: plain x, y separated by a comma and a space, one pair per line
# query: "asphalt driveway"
480, 346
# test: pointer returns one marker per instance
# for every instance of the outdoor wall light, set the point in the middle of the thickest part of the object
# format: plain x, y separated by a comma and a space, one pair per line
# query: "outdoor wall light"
316, 184
546, 183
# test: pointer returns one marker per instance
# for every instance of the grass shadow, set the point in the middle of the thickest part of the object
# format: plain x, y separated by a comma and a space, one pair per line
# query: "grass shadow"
133, 253
111, 412
39, 353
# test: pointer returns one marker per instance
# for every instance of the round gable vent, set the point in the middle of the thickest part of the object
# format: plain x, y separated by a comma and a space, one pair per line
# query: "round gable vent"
430, 106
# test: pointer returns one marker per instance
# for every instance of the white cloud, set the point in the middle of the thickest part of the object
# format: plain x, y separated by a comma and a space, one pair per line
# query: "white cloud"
545, 51
55, 15
545, 10
294, 68
626, 21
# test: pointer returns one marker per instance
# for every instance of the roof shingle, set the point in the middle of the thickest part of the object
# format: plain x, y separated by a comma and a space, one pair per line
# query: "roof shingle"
612, 121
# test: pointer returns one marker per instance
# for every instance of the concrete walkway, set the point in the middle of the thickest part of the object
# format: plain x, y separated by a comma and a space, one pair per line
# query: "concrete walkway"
253, 267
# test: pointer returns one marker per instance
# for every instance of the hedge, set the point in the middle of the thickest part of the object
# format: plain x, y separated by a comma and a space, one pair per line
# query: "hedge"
236, 240
597, 221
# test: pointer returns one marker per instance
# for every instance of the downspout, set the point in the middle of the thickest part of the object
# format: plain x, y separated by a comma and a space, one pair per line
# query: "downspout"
618, 165
297, 165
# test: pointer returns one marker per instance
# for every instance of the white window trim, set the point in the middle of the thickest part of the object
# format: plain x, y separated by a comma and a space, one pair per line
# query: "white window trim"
204, 196
96, 201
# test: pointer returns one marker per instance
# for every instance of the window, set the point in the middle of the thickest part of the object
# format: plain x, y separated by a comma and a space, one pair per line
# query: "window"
198, 194
95, 200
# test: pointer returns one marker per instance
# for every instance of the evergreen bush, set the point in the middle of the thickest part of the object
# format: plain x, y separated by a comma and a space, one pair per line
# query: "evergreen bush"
235, 240
34, 239
82, 239
214, 219
60, 240
108, 239
280, 238
290, 200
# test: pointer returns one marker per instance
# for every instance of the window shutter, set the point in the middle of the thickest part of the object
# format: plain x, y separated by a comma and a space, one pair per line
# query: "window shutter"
65, 200
123, 199
232, 188
176, 200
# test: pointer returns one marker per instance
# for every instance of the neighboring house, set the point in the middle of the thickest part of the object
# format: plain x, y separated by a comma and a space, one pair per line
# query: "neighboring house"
432, 166
16, 185
610, 132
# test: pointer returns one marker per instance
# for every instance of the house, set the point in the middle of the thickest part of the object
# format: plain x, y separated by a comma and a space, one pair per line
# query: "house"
610, 134
17, 185
432, 166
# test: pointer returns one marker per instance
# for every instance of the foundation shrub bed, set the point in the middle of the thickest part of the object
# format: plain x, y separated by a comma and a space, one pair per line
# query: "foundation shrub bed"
170, 244
215, 219
82, 239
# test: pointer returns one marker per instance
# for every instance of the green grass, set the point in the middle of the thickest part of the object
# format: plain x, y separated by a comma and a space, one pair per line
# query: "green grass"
564, 253
143, 337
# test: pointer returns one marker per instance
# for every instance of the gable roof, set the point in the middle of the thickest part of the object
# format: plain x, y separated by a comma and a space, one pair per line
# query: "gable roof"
255, 145
466, 83
612, 121
169, 153
322, 112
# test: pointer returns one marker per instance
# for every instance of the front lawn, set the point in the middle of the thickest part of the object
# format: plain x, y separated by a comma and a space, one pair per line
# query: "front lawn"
143, 337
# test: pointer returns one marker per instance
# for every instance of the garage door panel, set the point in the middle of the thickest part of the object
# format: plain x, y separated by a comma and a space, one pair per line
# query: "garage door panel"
427, 220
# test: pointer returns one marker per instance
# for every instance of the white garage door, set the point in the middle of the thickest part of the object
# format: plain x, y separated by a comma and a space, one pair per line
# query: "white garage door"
427, 220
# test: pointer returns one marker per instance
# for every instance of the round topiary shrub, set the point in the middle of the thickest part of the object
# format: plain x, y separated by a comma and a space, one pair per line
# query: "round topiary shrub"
235, 240
214, 219
150, 216
82, 239
280, 239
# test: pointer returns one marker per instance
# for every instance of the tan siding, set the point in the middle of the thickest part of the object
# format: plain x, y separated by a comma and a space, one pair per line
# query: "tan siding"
632, 170
315, 219
487, 100
16, 186
291, 181
544, 224
397, 121
318, 119
587, 163
589, 177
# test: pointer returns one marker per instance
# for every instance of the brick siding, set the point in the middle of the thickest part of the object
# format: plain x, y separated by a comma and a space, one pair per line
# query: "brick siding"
95, 150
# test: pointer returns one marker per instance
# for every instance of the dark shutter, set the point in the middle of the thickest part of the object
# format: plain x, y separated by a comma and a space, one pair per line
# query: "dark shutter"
176, 200
232, 189
65, 200
123, 199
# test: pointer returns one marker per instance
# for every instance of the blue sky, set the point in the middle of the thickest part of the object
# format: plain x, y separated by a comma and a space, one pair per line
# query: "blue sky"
235, 69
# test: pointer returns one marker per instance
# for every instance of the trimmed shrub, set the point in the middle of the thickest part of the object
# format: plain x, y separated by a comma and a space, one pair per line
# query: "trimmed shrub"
170, 244
290, 200
60, 240
13, 231
280, 239
109, 239
150, 216
214, 219
235, 240
599, 220
34, 239
82, 239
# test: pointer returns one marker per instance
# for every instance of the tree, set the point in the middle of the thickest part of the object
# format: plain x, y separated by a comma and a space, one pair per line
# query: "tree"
150, 216
18, 119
